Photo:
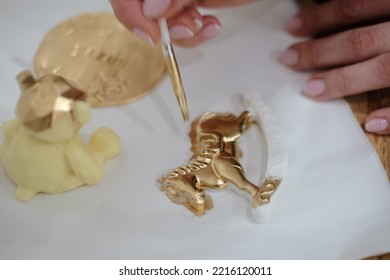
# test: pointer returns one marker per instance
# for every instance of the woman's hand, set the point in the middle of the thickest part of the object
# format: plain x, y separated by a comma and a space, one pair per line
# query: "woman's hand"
187, 26
353, 57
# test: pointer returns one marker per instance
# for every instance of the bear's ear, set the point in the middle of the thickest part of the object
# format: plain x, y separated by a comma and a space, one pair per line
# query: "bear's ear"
25, 80
82, 112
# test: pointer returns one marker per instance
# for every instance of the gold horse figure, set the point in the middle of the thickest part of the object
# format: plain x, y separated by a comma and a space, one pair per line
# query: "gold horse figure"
214, 164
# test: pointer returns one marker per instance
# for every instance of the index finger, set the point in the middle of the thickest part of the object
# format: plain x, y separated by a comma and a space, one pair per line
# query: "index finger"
154, 9
130, 14
336, 14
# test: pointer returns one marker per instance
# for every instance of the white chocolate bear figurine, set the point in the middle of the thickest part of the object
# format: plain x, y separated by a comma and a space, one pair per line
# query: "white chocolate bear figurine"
42, 149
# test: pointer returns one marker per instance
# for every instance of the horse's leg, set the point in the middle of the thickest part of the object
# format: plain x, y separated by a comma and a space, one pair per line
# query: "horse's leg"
230, 169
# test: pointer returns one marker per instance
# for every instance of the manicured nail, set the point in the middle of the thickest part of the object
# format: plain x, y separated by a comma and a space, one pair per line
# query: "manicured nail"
211, 31
155, 8
293, 24
376, 125
314, 88
198, 24
289, 57
180, 32
143, 36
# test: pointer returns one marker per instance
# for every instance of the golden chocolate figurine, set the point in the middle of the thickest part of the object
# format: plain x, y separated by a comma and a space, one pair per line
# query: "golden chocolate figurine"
109, 63
42, 149
215, 164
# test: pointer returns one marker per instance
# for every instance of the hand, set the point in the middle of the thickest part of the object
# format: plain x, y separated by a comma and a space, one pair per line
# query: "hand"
187, 26
353, 60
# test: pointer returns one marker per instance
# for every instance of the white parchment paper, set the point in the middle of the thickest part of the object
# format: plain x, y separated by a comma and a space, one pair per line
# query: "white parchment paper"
333, 204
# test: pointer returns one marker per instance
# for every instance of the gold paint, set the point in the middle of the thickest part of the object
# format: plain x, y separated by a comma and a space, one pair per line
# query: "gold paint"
177, 85
173, 70
266, 190
214, 138
43, 101
42, 150
107, 62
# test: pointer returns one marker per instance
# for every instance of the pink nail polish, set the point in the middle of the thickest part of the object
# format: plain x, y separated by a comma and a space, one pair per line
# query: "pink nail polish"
293, 24
376, 125
155, 8
211, 30
289, 57
143, 36
180, 32
314, 88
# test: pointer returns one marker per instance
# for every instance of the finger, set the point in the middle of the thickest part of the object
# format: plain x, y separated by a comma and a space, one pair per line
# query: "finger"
130, 14
357, 78
378, 121
211, 28
222, 3
336, 14
154, 9
340, 49
186, 24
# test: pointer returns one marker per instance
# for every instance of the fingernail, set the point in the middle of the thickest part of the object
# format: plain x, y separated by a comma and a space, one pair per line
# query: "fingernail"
143, 36
376, 125
198, 24
154, 8
289, 57
314, 88
293, 24
180, 32
211, 31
